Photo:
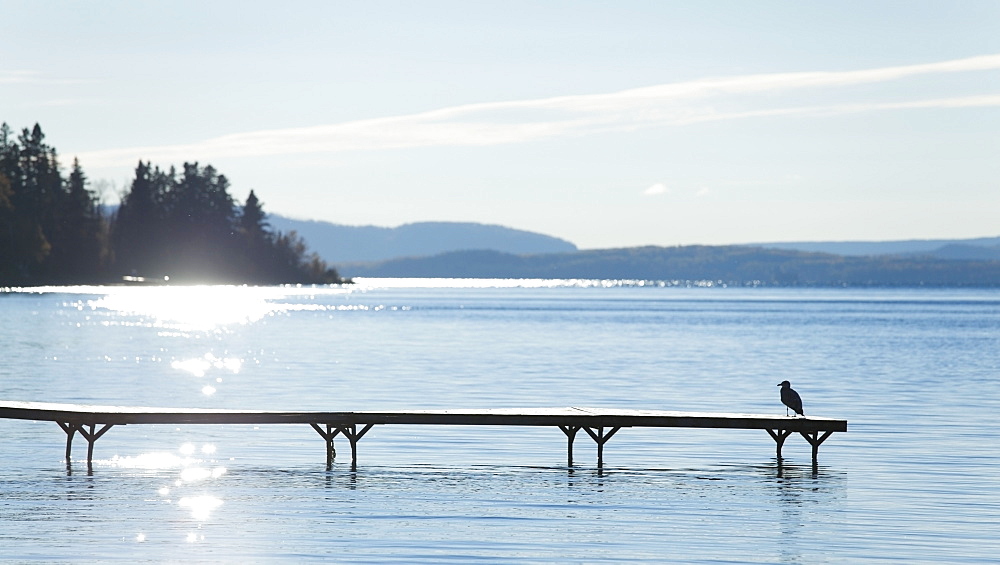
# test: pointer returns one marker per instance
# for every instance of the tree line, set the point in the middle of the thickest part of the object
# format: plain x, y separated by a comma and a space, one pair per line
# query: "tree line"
696, 264
184, 225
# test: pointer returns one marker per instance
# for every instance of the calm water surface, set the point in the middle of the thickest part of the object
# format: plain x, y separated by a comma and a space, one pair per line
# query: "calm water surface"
915, 372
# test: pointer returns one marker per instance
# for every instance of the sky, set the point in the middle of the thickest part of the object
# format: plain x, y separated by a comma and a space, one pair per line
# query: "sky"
609, 124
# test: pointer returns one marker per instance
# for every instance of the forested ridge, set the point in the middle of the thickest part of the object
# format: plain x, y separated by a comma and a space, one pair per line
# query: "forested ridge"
696, 264
183, 224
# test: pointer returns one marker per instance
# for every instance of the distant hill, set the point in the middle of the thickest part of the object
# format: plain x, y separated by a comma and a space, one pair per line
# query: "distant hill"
965, 252
733, 265
984, 248
337, 243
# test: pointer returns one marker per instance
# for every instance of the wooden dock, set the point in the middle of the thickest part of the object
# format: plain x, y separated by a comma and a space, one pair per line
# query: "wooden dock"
600, 424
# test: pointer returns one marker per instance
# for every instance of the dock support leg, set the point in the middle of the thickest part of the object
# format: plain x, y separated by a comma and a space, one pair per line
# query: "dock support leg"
70, 430
779, 437
815, 440
91, 435
328, 434
353, 435
570, 432
601, 438
350, 432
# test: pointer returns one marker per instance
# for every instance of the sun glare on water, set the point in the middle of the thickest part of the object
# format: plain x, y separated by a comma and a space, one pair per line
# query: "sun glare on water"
190, 474
201, 365
191, 308
201, 507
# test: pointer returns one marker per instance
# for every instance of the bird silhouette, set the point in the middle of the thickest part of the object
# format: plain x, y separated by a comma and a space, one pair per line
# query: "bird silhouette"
790, 398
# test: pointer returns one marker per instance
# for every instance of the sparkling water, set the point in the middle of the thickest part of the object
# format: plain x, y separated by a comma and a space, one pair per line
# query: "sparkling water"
914, 372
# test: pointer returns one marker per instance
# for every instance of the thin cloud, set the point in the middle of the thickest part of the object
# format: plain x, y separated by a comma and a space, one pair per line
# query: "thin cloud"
656, 189
60, 102
35, 77
19, 77
495, 123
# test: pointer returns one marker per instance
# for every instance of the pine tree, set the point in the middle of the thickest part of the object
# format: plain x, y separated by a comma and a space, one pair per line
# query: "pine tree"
6, 229
77, 248
188, 226
33, 184
253, 221
255, 238
138, 231
201, 219
8, 159
40, 184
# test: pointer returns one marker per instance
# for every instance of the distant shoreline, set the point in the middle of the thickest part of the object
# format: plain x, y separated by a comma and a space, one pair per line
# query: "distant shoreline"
730, 265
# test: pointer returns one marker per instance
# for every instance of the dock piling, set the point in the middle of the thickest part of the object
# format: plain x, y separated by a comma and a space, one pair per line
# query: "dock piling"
601, 438
779, 438
70, 430
570, 432
815, 440
328, 435
90, 435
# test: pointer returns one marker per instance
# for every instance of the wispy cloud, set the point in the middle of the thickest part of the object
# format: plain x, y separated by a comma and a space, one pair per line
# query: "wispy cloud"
527, 120
14, 77
656, 189
60, 102
18, 77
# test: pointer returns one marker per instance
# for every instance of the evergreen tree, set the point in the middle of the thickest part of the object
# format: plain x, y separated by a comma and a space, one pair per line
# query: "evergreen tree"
78, 246
201, 218
293, 263
255, 238
139, 231
253, 221
32, 177
187, 226
8, 255
6, 229
37, 194
277, 258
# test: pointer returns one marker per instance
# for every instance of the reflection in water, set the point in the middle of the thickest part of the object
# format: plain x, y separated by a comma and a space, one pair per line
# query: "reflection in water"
798, 490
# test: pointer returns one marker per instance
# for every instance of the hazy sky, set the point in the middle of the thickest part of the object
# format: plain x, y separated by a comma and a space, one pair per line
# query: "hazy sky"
606, 123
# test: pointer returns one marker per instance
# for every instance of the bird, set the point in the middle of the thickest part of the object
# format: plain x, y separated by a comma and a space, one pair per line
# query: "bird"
790, 398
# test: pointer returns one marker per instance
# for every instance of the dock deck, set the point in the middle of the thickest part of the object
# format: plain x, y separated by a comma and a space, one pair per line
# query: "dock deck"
600, 424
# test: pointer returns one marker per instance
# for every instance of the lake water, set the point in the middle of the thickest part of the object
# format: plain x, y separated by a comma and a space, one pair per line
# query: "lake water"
916, 479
